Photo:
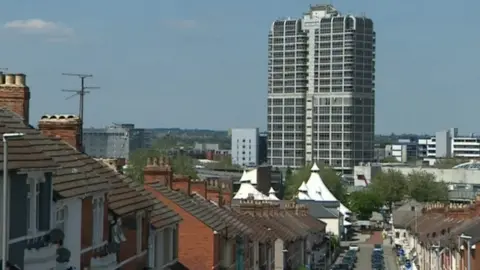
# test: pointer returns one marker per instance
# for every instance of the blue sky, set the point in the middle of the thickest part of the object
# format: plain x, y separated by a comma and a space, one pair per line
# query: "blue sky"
179, 63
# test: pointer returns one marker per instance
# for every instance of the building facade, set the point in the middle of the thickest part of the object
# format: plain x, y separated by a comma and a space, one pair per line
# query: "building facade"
116, 141
321, 93
245, 146
448, 143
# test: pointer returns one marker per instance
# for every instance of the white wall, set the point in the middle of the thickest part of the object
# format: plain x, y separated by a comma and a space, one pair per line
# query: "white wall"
333, 225
279, 254
462, 176
73, 228
245, 153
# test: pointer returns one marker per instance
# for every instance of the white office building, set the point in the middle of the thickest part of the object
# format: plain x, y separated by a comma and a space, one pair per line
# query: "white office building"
449, 143
245, 146
321, 95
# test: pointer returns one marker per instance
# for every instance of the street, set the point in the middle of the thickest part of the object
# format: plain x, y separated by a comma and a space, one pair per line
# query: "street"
366, 245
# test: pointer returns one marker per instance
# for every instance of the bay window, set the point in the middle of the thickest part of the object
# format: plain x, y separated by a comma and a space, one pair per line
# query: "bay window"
98, 205
60, 218
33, 203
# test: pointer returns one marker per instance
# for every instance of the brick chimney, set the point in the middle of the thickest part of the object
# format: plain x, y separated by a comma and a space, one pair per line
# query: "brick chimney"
158, 171
15, 95
182, 183
199, 186
64, 126
213, 190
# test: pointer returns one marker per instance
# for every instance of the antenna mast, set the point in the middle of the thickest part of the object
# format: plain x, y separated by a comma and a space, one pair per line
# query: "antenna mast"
80, 92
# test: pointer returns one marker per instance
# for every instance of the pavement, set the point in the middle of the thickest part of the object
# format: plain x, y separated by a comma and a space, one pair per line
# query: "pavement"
366, 243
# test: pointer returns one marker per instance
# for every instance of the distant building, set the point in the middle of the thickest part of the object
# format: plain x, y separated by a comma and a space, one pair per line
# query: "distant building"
262, 148
245, 146
116, 141
404, 150
448, 143
207, 146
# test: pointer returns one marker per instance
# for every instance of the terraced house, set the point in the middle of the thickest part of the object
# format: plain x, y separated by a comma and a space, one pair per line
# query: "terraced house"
80, 212
253, 234
440, 236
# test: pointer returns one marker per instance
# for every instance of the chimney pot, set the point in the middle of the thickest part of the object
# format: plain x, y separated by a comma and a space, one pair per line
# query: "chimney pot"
9, 79
20, 79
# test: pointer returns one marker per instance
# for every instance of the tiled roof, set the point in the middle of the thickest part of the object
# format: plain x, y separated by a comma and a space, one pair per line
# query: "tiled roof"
234, 225
22, 155
78, 174
438, 228
198, 210
74, 175
128, 196
261, 232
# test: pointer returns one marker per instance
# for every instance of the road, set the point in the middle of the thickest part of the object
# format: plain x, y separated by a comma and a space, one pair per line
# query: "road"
366, 248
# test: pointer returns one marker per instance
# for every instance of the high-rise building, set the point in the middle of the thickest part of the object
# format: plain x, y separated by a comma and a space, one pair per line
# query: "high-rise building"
321, 94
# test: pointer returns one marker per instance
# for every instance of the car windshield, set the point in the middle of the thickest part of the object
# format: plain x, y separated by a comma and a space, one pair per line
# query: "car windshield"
378, 246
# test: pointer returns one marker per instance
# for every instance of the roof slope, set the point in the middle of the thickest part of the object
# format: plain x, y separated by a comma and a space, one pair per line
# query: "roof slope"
78, 174
197, 209
22, 155
128, 196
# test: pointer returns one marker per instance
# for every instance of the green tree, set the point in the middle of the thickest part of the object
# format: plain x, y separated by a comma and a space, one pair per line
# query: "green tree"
448, 163
331, 179
423, 188
293, 180
363, 203
390, 186
181, 164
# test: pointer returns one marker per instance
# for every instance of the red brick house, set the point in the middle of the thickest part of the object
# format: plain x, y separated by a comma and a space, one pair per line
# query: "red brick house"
218, 236
107, 219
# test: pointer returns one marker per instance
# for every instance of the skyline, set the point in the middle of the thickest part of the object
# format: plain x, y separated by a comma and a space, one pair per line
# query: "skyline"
420, 66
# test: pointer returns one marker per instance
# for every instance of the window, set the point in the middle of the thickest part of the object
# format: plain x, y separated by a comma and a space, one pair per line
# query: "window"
60, 218
33, 201
98, 211
139, 232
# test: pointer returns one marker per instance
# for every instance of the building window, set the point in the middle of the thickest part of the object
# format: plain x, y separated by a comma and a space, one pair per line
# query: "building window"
98, 213
139, 232
33, 201
60, 218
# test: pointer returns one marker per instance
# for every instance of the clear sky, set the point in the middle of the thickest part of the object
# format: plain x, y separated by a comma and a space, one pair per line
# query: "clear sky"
203, 64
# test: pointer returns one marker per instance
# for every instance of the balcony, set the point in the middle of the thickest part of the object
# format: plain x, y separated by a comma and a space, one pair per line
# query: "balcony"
105, 257
40, 253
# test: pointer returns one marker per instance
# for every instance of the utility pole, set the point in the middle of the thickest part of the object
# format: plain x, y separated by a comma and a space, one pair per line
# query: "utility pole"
80, 92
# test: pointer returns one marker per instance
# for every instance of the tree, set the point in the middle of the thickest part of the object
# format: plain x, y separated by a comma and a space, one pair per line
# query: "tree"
181, 163
423, 188
293, 180
448, 163
363, 203
390, 186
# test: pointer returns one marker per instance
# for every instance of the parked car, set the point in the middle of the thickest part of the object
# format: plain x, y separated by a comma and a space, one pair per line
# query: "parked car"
354, 247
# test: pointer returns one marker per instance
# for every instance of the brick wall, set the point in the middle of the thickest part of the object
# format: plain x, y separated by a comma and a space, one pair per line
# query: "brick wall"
128, 249
15, 95
66, 127
196, 240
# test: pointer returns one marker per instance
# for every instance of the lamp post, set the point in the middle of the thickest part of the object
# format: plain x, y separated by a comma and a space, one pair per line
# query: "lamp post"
468, 238
6, 137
